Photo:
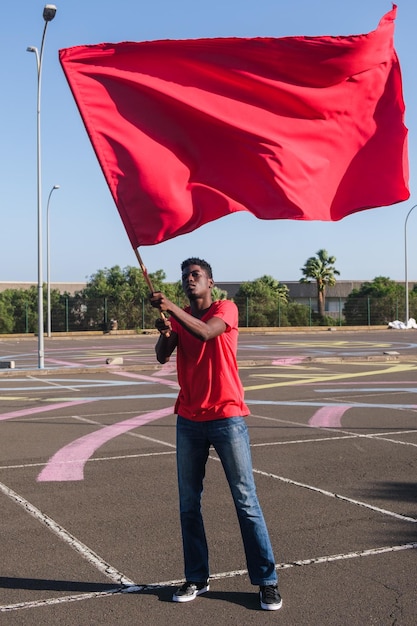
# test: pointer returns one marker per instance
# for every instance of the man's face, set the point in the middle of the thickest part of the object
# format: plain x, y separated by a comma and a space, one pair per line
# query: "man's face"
195, 282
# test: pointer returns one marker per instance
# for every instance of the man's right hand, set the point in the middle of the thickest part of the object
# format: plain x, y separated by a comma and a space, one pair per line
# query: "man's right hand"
159, 301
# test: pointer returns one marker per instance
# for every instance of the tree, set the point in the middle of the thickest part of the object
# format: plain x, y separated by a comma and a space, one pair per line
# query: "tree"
376, 302
321, 269
19, 310
259, 301
6, 317
218, 294
118, 294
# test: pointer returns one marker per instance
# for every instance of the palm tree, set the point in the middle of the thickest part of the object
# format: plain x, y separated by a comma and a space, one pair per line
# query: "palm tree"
321, 269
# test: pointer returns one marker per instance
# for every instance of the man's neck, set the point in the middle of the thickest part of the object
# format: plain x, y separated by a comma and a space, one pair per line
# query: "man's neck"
200, 306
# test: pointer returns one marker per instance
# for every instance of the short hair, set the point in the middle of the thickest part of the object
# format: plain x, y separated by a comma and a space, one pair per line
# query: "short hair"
196, 261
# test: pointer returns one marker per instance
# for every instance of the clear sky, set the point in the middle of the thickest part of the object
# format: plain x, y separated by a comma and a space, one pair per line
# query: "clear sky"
86, 232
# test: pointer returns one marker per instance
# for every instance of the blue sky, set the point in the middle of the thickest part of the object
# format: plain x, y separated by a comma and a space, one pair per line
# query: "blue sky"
85, 229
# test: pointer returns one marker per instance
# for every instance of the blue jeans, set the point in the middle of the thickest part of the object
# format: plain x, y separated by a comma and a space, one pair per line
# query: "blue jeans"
230, 439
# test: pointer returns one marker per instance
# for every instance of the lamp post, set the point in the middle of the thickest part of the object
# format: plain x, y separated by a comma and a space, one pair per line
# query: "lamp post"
406, 264
48, 265
48, 15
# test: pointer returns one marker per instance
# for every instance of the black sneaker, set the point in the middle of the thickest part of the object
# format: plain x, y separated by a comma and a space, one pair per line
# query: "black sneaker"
189, 591
270, 598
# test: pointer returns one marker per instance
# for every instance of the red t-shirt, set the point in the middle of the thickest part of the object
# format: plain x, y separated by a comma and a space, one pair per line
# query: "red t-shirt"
210, 387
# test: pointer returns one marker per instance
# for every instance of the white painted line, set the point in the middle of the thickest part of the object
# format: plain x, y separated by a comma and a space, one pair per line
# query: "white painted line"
345, 434
88, 554
338, 496
52, 383
121, 457
330, 494
397, 441
383, 436
130, 434
51, 601
132, 588
350, 555
315, 440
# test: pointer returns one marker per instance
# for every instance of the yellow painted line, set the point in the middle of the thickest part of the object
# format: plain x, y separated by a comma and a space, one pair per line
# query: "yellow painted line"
282, 368
19, 398
290, 374
91, 353
338, 344
325, 378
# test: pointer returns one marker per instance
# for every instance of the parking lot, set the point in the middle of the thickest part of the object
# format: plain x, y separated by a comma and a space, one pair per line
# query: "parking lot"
90, 526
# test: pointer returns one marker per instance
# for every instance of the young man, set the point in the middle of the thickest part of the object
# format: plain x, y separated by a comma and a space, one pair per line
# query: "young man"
211, 410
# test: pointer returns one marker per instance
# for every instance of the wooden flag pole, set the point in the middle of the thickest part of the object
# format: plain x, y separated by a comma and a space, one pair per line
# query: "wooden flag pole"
144, 271
146, 277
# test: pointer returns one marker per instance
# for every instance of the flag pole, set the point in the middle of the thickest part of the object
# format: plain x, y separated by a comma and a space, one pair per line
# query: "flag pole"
144, 271
146, 276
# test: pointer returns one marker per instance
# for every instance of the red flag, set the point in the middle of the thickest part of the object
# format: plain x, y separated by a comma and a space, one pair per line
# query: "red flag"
308, 128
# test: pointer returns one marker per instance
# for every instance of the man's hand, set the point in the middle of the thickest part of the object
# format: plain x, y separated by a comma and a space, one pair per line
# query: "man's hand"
164, 326
159, 301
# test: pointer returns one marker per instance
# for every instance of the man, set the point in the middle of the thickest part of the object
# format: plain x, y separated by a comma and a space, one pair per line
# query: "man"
211, 410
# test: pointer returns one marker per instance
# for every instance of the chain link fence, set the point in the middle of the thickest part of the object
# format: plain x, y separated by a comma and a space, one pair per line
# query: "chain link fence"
71, 314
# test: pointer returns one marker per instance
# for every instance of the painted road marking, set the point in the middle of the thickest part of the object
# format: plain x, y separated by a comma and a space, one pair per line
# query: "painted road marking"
104, 353
328, 416
89, 555
14, 398
80, 450
371, 389
324, 378
367, 405
119, 577
68, 364
133, 588
52, 383
151, 379
42, 409
87, 445
139, 436
81, 384
323, 344
121, 457
338, 496
330, 494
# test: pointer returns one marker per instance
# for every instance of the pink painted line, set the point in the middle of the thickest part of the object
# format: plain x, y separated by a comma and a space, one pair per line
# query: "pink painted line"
294, 360
328, 416
170, 367
151, 379
66, 363
41, 409
68, 463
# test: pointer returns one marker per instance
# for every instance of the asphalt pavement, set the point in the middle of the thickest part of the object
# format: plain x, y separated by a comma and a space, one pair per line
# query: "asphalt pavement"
90, 527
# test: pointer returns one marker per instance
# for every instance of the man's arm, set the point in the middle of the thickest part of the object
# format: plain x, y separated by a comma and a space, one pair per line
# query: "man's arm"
165, 346
202, 330
167, 340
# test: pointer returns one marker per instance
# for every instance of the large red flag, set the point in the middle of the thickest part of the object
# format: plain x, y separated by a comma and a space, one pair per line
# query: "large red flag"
308, 128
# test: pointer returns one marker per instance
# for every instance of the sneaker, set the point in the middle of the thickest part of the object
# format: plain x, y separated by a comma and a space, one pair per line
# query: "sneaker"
189, 591
270, 598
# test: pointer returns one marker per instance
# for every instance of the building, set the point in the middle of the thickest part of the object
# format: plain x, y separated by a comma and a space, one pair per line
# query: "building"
69, 288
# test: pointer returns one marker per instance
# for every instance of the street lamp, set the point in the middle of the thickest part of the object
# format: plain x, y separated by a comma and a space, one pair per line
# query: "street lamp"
406, 263
48, 265
48, 15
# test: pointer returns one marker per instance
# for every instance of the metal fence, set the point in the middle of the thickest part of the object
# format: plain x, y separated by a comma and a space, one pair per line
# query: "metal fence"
70, 314
364, 311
